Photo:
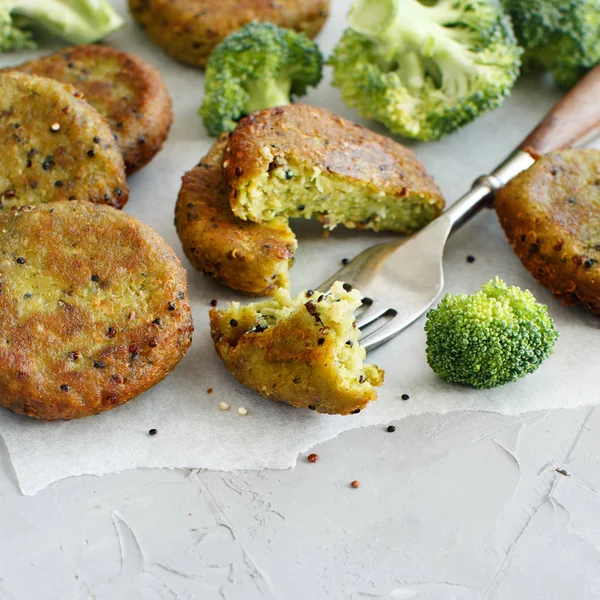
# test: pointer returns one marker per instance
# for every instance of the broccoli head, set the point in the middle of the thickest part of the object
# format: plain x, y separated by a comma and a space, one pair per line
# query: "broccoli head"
425, 68
495, 336
77, 21
559, 36
258, 66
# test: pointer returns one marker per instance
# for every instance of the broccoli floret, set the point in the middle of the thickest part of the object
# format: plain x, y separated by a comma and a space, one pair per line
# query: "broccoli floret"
495, 336
255, 67
77, 21
558, 35
425, 68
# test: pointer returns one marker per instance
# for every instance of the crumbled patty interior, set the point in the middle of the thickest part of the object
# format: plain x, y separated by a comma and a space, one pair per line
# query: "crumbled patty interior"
296, 191
301, 351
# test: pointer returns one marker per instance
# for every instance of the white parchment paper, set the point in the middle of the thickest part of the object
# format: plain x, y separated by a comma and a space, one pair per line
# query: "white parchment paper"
192, 431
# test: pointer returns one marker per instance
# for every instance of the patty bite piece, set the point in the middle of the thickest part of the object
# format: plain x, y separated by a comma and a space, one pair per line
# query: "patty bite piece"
250, 257
93, 306
128, 92
551, 216
300, 160
303, 351
188, 30
55, 146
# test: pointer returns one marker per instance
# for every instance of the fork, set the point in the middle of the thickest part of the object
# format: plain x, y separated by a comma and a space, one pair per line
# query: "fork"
401, 279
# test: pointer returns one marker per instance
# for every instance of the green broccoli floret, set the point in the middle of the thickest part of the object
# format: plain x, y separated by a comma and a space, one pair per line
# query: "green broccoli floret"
255, 67
77, 21
425, 68
560, 36
495, 336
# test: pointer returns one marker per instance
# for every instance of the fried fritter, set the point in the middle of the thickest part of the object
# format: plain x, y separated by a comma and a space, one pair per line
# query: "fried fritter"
55, 146
188, 30
93, 306
250, 257
128, 92
302, 351
299, 160
551, 216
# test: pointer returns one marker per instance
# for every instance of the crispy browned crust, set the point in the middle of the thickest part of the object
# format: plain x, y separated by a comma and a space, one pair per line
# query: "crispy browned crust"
188, 30
55, 146
315, 137
250, 257
551, 216
93, 306
293, 362
128, 92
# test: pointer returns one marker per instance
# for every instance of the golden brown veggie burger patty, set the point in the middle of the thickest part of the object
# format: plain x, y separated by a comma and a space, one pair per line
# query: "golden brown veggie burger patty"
250, 257
93, 306
128, 92
55, 146
303, 351
299, 160
551, 216
188, 30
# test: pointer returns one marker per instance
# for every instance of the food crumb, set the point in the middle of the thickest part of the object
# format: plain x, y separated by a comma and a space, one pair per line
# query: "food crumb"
209, 391
355, 484
223, 406
213, 302
153, 432
470, 259
345, 261
312, 458
405, 396
391, 429
242, 411
563, 472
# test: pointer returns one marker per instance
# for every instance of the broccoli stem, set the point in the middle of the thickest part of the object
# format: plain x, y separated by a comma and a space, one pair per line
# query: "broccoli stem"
410, 32
266, 93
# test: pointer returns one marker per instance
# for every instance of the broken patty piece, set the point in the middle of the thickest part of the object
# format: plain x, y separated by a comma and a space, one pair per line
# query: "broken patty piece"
303, 351
301, 160
251, 257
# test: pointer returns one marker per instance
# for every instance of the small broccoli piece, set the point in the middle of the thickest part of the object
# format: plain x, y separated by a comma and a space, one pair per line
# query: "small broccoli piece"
490, 338
258, 66
559, 36
77, 21
425, 68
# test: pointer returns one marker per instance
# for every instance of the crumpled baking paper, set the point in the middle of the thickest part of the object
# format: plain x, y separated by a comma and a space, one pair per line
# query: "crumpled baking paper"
192, 431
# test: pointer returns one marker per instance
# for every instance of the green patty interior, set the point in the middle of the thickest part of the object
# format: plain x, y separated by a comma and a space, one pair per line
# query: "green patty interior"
296, 191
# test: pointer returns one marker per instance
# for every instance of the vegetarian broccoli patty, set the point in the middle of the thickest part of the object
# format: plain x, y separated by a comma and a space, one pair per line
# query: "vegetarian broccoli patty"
251, 257
93, 306
551, 216
188, 30
303, 351
55, 146
299, 160
128, 92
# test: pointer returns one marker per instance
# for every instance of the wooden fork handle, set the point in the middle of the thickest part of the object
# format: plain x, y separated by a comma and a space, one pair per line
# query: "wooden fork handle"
571, 120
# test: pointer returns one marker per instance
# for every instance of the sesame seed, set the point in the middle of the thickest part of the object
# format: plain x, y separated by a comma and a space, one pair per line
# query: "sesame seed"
96, 139
65, 388
312, 458
95, 278
470, 259
111, 332
391, 429
405, 396
312, 407
309, 293
152, 343
91, 153
213, 302
171, 306
242, 411
58, 183
21, 260
157, 321
320, 341
362, 379
233, 323
99, 364
223, 406
355, 411
54, 127
345, 261
347, 287
153, 432
355, 484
